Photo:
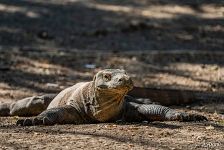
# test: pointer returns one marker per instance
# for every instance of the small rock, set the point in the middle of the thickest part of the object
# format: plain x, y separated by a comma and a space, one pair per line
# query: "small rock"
215, 68
52, 85
119, 121
188, 107
210, 127
44, 35
35, 133
145, 122
90, 66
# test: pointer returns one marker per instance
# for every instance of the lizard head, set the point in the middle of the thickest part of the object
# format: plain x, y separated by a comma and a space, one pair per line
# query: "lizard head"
113, 80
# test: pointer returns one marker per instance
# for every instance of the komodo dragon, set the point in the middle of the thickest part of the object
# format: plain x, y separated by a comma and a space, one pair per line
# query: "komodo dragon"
102, 100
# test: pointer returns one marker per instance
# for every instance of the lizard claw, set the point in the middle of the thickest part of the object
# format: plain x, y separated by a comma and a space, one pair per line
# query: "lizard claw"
184, 117
34, 121
24, 122
192, 117
37, 121
20, 122
196, 117
47, 121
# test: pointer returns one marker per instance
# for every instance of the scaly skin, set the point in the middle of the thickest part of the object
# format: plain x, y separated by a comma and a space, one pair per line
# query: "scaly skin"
135, 112
169, 97
29, 106
100, 100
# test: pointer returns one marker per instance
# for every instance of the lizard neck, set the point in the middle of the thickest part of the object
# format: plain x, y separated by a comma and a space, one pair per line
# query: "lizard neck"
107, 104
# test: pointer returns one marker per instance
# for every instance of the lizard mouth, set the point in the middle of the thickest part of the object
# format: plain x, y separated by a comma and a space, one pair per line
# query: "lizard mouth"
116, 89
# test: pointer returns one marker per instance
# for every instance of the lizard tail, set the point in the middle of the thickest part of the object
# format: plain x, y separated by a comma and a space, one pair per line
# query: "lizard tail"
5, 109
175, 96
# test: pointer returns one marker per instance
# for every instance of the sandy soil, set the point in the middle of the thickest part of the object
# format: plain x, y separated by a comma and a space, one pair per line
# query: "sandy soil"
46, 46
157, 135
35, 72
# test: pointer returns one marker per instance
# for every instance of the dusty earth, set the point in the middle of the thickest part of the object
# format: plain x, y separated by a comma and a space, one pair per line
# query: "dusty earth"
46, 46
37, 72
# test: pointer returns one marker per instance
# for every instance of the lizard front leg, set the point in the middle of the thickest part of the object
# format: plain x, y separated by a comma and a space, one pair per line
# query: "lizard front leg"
60, 115
140, 112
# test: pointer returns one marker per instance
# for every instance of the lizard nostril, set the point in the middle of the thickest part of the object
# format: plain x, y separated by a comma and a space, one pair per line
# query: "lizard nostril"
120, 80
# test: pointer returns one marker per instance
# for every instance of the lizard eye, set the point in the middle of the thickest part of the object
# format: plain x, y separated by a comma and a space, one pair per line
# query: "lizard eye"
107, 77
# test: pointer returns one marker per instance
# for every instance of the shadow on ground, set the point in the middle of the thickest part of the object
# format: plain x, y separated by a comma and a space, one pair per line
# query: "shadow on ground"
43, 41
113, 25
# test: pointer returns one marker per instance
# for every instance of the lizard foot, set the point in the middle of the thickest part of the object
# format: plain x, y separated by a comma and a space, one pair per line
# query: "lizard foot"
192, 117
51, 116
184, 117
34, 121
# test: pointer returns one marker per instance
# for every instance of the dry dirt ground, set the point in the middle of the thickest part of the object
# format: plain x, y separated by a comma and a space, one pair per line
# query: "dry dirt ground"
37, 72
46, 46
